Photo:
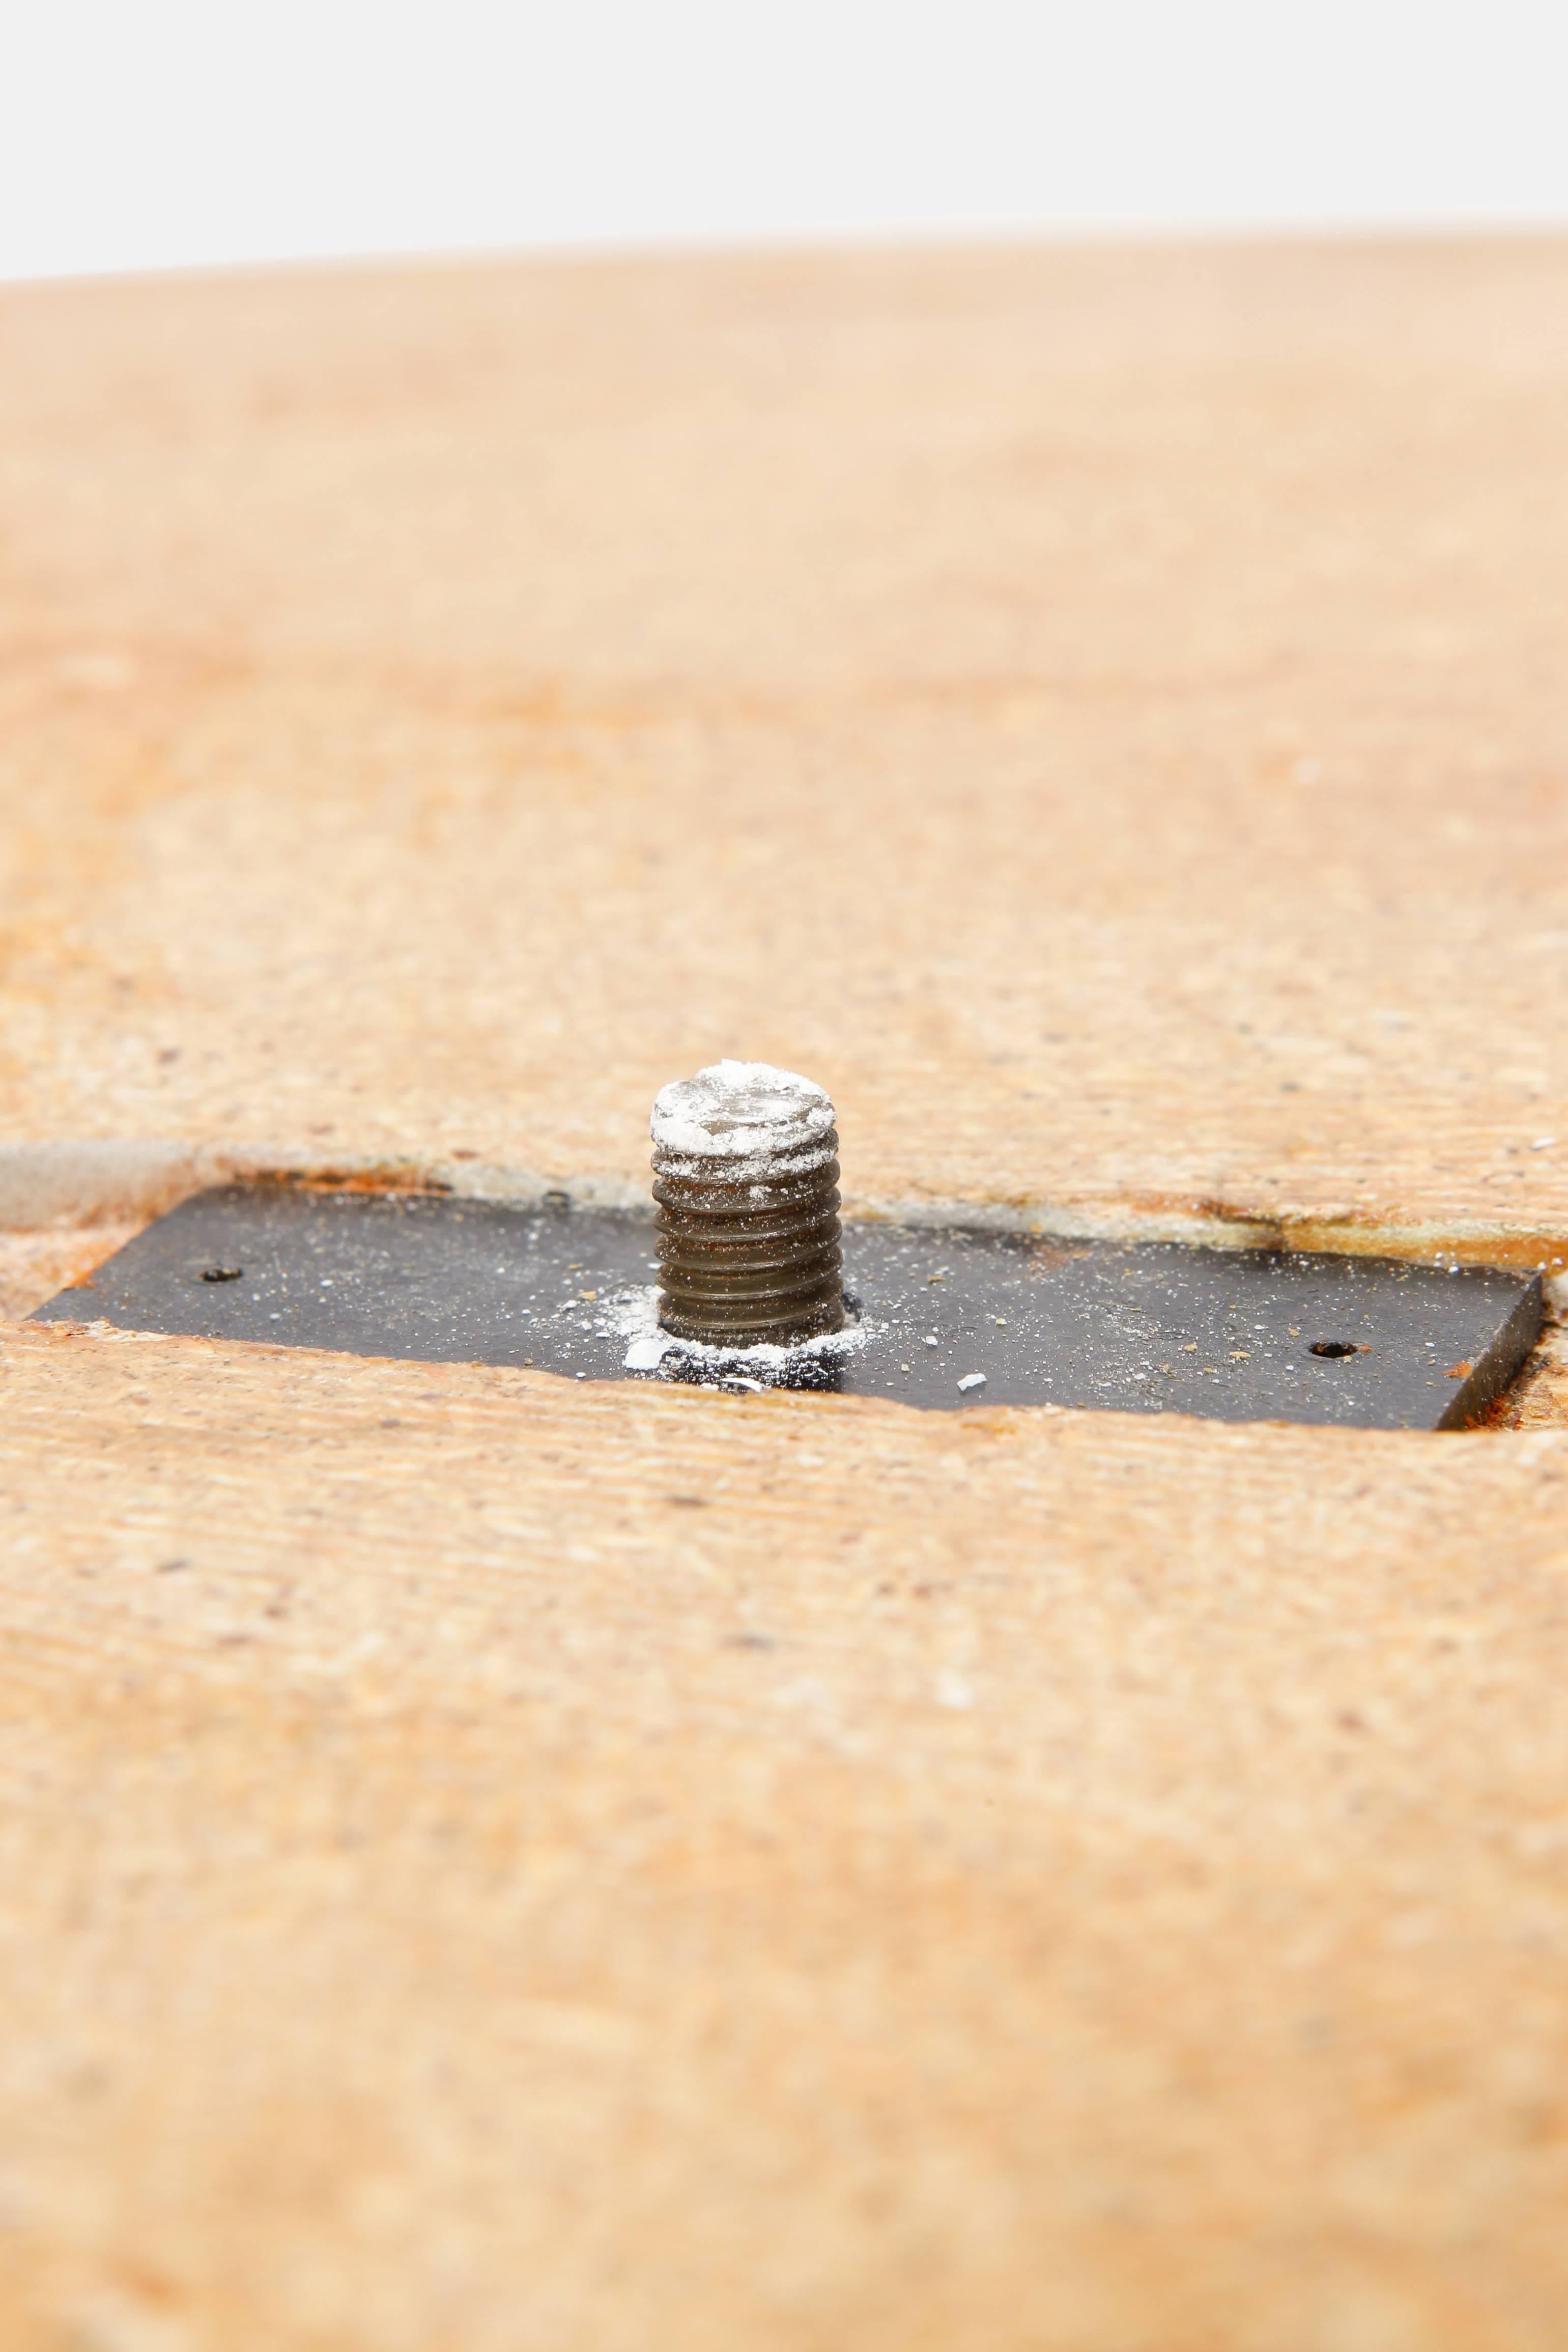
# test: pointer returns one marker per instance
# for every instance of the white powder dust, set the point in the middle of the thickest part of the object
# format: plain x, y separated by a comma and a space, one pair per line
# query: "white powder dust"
743, 1110
633, 1314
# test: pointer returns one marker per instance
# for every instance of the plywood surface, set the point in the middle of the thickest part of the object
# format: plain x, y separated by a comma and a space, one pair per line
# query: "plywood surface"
1103, 714
486, 1863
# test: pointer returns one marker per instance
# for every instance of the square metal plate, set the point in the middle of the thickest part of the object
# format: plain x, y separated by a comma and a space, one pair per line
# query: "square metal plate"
1241, 1334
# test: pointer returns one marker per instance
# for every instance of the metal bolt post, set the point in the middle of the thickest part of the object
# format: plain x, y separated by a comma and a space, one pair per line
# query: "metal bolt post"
746, 1174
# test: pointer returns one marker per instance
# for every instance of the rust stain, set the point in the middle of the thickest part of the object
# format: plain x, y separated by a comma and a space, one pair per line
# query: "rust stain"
397, 1177
1045, 1256
1334, 1232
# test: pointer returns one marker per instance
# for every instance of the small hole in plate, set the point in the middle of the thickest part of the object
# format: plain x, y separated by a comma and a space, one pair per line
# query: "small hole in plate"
1335, 1348
222, 1273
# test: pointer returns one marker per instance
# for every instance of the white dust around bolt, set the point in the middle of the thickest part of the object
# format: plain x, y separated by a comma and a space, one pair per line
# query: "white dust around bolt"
740, 1110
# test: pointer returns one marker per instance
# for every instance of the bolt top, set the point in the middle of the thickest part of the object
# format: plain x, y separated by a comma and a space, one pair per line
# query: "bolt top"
742, 1110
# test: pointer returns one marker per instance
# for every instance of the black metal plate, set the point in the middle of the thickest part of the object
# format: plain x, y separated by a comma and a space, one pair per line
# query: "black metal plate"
1143, 1328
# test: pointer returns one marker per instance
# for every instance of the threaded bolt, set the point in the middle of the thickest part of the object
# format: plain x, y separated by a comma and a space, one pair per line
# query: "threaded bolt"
745, 1174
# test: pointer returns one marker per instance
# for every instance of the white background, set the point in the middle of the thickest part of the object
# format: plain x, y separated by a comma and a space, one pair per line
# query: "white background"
155, 133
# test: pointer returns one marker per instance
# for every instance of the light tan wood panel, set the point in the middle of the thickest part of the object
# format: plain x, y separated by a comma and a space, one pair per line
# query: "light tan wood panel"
489, 1862
484, 1862
1101, 714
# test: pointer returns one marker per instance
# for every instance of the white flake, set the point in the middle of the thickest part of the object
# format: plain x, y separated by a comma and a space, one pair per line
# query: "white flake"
647, 1355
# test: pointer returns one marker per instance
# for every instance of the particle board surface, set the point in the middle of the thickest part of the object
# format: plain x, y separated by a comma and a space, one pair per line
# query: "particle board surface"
1103, 714
489, 1862
492, 1863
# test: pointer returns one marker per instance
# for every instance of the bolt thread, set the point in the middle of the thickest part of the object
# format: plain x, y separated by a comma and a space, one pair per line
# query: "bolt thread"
750, 1257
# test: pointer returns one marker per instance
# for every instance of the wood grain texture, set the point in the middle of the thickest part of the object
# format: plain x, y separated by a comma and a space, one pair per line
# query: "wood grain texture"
1100, 714
1041, 1880
486, 1863
35, 1265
